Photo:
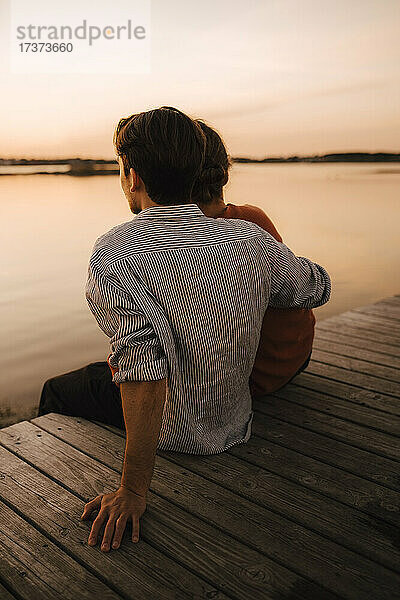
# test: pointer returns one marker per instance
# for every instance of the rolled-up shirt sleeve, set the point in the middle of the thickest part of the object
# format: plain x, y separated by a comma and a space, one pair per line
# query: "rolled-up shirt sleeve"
296, 281
135, 348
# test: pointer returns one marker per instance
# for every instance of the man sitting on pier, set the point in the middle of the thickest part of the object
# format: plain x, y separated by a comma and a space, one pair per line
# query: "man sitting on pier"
182, 297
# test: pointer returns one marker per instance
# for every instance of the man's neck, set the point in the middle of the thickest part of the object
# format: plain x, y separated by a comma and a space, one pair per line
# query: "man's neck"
215, 209
147, 202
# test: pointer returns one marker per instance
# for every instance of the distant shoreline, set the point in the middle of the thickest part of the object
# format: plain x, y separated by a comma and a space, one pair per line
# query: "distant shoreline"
79, 167
337, 157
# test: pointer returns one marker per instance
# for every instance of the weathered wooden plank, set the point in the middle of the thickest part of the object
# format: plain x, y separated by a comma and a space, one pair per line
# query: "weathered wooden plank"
360, 415
368, 318
366, 323
357, 435
364, 490
371, 323
369, 536
341, 345
35, 568
384, 302
178, 538
395, 305
304, 506
278, 537
346, 391
384, 353
388, 377
382, 311
362, 494
391, 301
331, 451
368, 382
5, 594
133, 570
359, 330
394, 298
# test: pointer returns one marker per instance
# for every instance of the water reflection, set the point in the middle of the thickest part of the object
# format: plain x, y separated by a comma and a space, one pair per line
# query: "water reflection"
344, 217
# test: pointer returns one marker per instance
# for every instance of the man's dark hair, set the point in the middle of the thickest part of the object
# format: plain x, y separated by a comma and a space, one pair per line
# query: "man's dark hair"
166, 149
215, 172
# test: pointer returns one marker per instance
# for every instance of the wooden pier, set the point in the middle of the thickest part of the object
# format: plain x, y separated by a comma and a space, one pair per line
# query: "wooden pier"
308, 509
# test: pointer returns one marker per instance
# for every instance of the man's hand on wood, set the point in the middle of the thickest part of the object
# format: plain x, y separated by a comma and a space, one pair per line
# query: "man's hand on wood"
142, 405
115, 509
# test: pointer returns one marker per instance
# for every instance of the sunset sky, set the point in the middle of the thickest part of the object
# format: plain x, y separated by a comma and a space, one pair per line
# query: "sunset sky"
275, 77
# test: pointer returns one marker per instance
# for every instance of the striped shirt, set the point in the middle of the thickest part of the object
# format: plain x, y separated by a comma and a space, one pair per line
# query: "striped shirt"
182, 296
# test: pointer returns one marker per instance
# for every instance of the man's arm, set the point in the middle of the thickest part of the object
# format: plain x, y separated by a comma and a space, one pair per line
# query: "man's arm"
142, 404
296, 281
142, 371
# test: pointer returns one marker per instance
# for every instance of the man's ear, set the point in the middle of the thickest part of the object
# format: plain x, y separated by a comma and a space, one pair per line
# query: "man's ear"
134, 180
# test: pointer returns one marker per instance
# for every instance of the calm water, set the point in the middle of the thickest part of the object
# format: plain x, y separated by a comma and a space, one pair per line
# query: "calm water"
344, 217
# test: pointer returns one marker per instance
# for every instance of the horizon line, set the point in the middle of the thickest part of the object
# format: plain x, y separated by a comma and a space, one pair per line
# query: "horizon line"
66, 159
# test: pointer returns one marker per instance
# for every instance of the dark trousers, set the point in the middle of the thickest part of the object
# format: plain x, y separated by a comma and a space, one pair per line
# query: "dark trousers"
90, 392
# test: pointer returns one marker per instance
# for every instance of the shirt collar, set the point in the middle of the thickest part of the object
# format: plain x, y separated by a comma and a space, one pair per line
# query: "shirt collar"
177, 211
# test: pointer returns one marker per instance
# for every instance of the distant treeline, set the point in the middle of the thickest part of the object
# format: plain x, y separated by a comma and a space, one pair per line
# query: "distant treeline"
84, 167
338, 157
77, 166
